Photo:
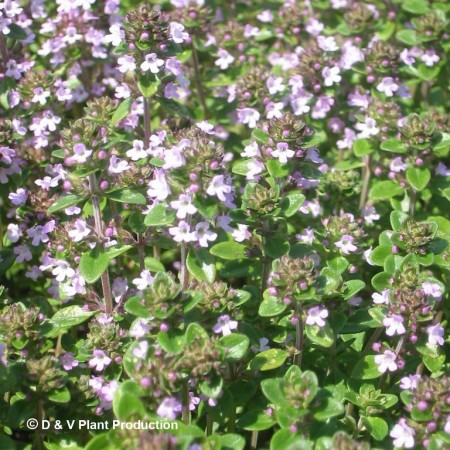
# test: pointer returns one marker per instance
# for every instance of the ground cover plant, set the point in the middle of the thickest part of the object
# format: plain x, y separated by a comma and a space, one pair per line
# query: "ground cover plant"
230, 217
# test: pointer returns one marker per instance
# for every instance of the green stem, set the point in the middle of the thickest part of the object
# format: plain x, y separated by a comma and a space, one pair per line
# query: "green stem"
186, 415
106, 287
141, 251
267, 265
366, 180
254, 440
3, 50
184, 274
198, 81
209, 424
299, 329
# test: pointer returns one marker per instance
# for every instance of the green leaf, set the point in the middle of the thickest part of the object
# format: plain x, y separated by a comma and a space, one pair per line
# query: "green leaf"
418, 177
393, 145
228, 250
201, 265
16, 32
379, 254
6, 443
172, 341
260, 136
362, 147
231, 441
135, 307
256, 420
59, 396
126, 404
276, 247
378, 428
352, 287
148, 85
269, 359
236, 346
366, 369
195, 331
273, 389
65, 202
328, 407
127, 196
159, 215
385, 189
93, 264
408, 37
7, 258
291, 203
70, 316
321, 336
287, 440
271, 307
121, 112
415, 6
277, 169
397, 219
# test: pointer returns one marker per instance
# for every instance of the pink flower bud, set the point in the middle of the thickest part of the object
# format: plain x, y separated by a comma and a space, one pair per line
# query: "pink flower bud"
164, 327
104, 185
146, 382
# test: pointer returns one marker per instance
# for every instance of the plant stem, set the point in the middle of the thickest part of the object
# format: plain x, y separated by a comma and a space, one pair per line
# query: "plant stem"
186, 416
106, 287
184, 274
3, 50
366, 172
58, 348
267, 265
299, 341
209, 424
141, 251
147, 124
198, 81
412, 202
254, 440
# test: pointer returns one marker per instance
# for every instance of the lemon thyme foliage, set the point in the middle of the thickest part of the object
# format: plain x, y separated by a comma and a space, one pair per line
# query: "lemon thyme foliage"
229, 215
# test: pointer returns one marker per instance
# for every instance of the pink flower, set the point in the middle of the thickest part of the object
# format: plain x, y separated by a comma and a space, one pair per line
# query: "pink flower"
331, 75
432, 290
183, 206
19, 197
182, 232
203, 234
327, 44
409, 382
430, 58
219, 187
386, 361
81, 153
68, 361
80, 231
403, 435
99, 360
145, 280
126, 64
140, 351
169, 408
382, 298
225, 325
368, 128
394, 325
248, 116
152, 63
316, 316
137, 152
387, 86
177, 33
283, 152
117, 165
345, 244
242, 233
225, 59
435, 334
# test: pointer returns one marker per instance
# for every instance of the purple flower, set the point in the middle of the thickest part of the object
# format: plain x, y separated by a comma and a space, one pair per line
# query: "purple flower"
68, 361
152, 63
403, 435
99, 360
409, 382
144, 281
283, 152
80, 231
394, 325
248, 116
225, 59
316, 316
19, 197
386, 361
225, 325
169, 408
435, 334
382, 298
182, 232
345, 244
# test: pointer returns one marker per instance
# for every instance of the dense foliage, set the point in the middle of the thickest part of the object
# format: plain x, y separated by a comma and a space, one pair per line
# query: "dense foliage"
227, 215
